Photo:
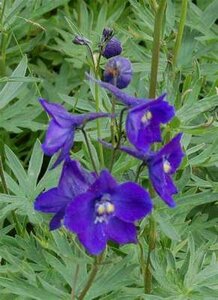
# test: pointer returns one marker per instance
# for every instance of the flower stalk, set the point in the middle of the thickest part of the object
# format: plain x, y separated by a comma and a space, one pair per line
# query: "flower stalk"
180, 32
156, 47
92, 276
89, 150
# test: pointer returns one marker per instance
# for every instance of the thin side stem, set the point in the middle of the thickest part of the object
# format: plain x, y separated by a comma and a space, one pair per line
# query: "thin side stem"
156, 47
89, 150
119, 138
101, 153
92, 276
139, 169
180, 31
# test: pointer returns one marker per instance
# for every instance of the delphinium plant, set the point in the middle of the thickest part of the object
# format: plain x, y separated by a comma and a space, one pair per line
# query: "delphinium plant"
92, 204
108, 150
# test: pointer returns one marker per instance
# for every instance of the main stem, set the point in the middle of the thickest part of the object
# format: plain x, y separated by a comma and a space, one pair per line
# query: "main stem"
156, 47
180, 31
92, 276
151, 247
152, 94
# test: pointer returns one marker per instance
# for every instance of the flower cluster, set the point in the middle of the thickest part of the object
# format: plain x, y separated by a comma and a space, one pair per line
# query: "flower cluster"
94, 205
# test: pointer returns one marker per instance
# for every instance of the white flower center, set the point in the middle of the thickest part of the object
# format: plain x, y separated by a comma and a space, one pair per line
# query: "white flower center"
166, 166
146, 117
103, 209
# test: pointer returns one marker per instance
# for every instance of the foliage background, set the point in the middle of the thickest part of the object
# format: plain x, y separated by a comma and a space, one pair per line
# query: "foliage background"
38, 58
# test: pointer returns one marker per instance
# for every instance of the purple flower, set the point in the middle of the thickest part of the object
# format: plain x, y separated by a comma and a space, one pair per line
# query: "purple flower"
112, 48
161, 165
107, 211
144, 120
74, 181
61, 130
118, 72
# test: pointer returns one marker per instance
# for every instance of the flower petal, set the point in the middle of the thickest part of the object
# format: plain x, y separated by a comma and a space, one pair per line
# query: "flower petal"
131, 201
80, 213
120, 231
75, 179
55, 222
58, 113
51, 201
65, 149
173, 153
105, 183
55, 138
94, 238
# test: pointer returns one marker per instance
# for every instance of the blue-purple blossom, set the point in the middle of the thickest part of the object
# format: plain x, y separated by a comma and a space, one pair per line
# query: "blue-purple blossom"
118, 72
61, 130
74, 180
144, 120
112, 48
161, 165
107, 211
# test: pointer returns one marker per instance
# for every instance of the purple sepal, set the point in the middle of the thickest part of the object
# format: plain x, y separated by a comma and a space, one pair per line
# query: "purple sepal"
74, 180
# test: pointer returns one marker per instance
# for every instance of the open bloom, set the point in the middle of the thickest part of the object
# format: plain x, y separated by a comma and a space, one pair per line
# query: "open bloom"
144, 120
74, 180
61, 130
118, 72
161, 165
112, 48
107, 211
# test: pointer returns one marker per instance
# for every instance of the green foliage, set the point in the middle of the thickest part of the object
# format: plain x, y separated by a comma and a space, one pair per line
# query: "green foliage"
38, 59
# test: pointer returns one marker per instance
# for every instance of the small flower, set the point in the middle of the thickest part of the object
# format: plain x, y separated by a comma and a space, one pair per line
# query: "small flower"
118, 72
74, 181
61, 130
161, 165
80, 40
107, 211
112, 48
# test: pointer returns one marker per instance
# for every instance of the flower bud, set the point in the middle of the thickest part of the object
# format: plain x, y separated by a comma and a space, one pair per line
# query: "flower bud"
118, 72
112, 48
107, 34
79, 40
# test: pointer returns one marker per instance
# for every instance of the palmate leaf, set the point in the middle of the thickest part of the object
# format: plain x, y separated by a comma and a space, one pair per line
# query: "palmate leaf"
25, 185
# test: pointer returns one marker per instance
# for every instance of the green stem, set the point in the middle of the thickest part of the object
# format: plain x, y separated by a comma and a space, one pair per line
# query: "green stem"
89, 150
2, 12
101, 153
156, 47
180, 31
119, 138
139, 169
73, 296
92, 276
151, 247
6, 191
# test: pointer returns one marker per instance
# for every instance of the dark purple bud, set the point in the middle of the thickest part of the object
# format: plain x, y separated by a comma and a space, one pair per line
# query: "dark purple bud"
107, 33
79, 40
112, 48
118, 72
